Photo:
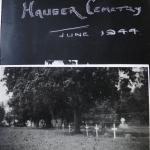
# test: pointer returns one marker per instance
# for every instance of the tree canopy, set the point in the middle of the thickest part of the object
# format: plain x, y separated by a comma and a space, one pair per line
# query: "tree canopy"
67, 93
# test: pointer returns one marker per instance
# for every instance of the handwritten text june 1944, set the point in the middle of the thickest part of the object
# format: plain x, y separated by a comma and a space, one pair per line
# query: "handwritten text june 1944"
102, 33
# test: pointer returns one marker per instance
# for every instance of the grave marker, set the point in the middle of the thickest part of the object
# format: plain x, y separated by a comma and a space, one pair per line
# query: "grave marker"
87, 131
96, 129
123, 123
114, 130
122, 120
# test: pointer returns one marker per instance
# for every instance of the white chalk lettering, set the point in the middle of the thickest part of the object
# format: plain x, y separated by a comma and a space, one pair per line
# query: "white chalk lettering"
110, 32
123, 31
105, 9
97, 10
63, 11
67, 29
39, 13
121, 8
71, 35
130, 9
61, 35
113, 9
134, 31
138, 9
29, 10
78, 34
90, 9
47, 12
103, 33
73, 10
85, 34
55, 12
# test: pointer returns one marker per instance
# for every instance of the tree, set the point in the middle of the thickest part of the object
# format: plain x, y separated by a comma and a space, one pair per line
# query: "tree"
86, 86
46, 93
37, 93
2, 113
134, 94
9, 118
68, 93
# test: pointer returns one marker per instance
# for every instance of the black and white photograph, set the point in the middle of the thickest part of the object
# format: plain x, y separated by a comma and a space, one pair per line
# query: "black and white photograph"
74, 74
103, 107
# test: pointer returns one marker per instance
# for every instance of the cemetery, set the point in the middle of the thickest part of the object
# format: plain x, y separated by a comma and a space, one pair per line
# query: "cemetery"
58, 139
75, 109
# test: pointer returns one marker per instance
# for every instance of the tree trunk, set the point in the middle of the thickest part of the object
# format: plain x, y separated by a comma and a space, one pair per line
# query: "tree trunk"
77, 121
52, 118
36, 123
48, 123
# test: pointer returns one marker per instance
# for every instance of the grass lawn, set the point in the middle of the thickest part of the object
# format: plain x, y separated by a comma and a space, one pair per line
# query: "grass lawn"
44, 139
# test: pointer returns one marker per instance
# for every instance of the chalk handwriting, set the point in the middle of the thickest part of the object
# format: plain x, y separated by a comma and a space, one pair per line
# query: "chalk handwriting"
107, 33
76, 34
48, 12
99, 9
31, 11
74, 28
112, 32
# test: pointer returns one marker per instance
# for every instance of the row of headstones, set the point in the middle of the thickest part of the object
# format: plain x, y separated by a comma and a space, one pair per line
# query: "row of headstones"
114, 129
58, 123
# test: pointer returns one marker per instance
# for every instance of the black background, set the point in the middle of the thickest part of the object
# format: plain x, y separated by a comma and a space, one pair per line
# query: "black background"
28, 41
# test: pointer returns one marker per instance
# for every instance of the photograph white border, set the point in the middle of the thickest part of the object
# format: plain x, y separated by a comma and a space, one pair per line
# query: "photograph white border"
81, 65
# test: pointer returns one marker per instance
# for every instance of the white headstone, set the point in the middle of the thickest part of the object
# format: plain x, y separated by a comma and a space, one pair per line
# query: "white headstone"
87, 129
96, 129
123, 124
114, 130
122, 120
29, 123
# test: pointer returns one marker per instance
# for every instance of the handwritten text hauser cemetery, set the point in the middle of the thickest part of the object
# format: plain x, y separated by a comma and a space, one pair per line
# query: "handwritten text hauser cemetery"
31, 10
